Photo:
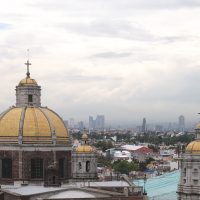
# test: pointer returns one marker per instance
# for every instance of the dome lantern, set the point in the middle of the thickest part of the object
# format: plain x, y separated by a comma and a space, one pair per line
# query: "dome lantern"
194, 146
28, 92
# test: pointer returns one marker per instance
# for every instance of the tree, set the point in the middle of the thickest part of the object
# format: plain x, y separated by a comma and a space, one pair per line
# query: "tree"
124, 167
105, 162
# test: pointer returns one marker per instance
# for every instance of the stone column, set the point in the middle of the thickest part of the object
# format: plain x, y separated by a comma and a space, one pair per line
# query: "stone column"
0, 168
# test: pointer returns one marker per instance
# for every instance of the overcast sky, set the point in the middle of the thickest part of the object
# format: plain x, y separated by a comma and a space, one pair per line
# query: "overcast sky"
127, 59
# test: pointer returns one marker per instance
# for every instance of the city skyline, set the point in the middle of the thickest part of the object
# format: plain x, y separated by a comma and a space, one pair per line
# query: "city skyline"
127, 60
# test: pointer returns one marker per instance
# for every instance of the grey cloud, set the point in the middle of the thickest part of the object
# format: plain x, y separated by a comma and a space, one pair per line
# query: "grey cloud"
180, 86
91, 78
90, 5
111, 54
113, 28
122, 30
81, 78
172, 39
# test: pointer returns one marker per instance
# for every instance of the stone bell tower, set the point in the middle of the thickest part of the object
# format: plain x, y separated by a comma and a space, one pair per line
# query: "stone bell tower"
28, 92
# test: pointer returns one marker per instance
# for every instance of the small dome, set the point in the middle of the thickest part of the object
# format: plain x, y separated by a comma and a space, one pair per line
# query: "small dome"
198, 126
193, 147
84, 136
84, 149
28, 81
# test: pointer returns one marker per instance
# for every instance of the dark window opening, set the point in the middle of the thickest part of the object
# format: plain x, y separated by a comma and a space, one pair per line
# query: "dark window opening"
61, 167
54, 180
87, 166
6, 168
37, 168
79, 165
30, 98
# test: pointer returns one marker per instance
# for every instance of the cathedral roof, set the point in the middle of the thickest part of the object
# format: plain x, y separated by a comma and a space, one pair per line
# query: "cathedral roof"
32, 125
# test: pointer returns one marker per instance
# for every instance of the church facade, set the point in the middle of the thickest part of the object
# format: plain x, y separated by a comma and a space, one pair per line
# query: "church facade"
34, 143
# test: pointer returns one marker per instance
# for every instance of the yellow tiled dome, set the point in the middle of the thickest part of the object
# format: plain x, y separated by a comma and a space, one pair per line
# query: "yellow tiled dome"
28, 81
84, 149
84, 136
34, 125
198, 126
193, 147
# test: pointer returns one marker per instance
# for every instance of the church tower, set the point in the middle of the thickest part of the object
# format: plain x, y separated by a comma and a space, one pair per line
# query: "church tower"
84, 161
189, 185
28, 92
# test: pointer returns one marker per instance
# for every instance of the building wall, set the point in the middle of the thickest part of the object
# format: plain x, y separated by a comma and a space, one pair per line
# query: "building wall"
21, 165
82, 158
189, 186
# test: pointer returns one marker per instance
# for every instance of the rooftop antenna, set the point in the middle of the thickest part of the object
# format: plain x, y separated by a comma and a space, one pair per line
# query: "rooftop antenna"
27, 64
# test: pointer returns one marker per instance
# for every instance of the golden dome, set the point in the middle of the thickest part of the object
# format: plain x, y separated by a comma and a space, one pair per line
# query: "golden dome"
32, 125
198, 126
84, 136
193, 147
84, 149
28, 81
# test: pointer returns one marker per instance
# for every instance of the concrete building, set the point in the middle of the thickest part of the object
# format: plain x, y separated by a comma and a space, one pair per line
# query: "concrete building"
181, 123
98, 123
189, 186
91, 122
144, 125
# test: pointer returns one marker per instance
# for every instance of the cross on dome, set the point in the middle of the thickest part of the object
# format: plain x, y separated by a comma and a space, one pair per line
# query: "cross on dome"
28, 64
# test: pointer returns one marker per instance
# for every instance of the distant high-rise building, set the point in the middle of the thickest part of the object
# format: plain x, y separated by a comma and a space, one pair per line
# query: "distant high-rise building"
100, 120
181, 123
91, 122
99, 123
159, 128
81, 125
71, 123
66, 123
144, 125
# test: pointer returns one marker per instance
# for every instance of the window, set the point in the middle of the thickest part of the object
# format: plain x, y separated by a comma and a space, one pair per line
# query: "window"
61, 167
30, 98
79, 165
6, 168
195, 182
36, 168
195, 172
184, 172
87, 166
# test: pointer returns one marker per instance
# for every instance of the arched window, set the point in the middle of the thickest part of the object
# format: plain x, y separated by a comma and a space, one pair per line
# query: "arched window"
79, 166
36, 168
6, 168
184, 172
61, 167
87, 166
